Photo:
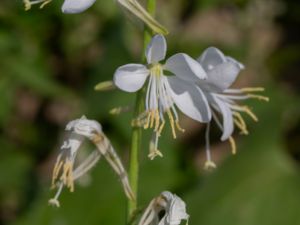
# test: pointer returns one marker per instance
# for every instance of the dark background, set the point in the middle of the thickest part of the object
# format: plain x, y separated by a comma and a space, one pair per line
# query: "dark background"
50, 63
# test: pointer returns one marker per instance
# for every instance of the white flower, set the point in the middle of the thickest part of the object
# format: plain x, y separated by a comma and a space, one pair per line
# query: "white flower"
222, 71
173, 207
64, 173
165, 92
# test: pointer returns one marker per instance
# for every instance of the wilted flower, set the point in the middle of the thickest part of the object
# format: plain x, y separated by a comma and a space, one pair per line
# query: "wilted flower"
173, 207
222, 71
165, 92
64, 173
133, 6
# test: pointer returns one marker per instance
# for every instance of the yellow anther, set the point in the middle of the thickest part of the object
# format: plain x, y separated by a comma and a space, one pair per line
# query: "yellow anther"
119, 110
259, 97
179, 127
154, 153
67, 176
136, 123
146, 126
250, 113
161, 128
241, 127
239, 121
253, 89
232, 144
172, 123
57, 167
45, 3
152, 118
27, 4
210, 165
115, 111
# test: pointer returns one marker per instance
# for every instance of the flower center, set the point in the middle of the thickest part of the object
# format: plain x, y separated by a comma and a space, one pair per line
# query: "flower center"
158, 102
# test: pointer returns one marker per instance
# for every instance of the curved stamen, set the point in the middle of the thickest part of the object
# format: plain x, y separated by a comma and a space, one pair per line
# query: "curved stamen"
246, 110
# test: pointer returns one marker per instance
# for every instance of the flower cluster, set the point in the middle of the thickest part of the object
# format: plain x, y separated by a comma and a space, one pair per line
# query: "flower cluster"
198, 88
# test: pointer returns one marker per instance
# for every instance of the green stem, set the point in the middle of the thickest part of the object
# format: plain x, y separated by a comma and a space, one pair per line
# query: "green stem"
136, 137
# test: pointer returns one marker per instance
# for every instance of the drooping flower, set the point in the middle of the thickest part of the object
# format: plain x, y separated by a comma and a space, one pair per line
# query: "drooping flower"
222, 71
164, 92
173, 207
64, 173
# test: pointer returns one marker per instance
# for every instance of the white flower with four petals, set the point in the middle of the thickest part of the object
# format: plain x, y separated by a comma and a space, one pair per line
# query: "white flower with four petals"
222, 71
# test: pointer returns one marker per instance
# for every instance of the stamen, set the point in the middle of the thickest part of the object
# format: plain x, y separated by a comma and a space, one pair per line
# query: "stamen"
45, 3
161, 127
245, 109
119, 110
239, 121
141, 120
179, 127
250, 113
252, 89
57, 167
152, 118
241, 127
172, 123
157, 121
146, 126
259, 97
233, 145
67, 177
29, 3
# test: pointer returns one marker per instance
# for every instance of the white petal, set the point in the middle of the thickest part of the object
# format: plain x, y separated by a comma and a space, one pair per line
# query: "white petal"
72, 144
156, 50
185, 67
237, 63
226, 112
76, 6
84, 127
221, 70
189, 99
221, 77
211, 57
131, 77
175, 210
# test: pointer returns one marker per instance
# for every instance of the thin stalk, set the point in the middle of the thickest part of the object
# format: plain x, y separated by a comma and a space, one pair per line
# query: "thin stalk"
136, 137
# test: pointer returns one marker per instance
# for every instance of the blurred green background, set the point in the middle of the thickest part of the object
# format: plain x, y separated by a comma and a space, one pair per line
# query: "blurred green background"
50, 63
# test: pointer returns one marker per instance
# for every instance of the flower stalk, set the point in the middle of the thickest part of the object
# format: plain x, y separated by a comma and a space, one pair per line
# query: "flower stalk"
136, 137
